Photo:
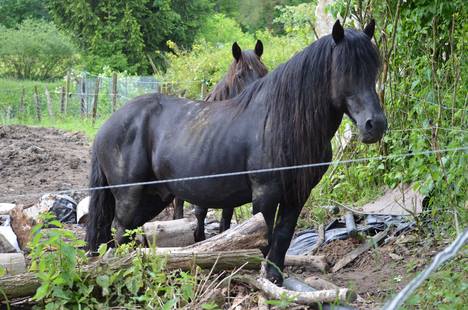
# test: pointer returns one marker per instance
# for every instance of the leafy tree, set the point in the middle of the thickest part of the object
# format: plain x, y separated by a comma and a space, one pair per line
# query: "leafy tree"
13, 12
36, 50
253, 15
129, 35
298, 20
220, 29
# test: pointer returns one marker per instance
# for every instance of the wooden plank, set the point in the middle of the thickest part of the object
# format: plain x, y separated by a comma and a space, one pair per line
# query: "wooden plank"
348, 258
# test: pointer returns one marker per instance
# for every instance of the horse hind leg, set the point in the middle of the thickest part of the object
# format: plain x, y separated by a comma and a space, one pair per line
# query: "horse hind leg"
178, 208
134, 207
200, 214
226, 218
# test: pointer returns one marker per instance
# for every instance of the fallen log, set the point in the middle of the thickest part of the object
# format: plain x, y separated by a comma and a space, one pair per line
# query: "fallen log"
179, 233
348, 258
26, 284
173, 233
14, 263
303, 298
218, 260
319, 262
251, 234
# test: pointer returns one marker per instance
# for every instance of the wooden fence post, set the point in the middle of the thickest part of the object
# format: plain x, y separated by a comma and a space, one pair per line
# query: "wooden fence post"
38, 105
67, 92
95, 101
49, 103
114, 91
62, 100
82, 97
21, 104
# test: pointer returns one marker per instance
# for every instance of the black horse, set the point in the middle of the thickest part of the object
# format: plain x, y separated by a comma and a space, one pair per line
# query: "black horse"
246, 68
286, 118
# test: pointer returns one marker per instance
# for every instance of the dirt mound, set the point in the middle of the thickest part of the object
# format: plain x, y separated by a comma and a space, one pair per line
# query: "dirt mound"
39, 160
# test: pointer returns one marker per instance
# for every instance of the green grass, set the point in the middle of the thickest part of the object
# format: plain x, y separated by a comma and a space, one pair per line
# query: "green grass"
10, 96
11, 90
68, 124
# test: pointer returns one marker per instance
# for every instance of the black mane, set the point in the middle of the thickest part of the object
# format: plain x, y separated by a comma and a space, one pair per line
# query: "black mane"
299, 101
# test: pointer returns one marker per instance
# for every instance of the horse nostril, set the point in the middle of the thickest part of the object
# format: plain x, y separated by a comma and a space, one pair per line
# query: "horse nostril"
369, 124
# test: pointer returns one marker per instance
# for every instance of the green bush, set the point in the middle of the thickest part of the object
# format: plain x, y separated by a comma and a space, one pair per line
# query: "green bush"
36, 50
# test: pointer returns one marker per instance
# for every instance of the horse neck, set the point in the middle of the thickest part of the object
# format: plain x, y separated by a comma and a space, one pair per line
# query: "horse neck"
300, 114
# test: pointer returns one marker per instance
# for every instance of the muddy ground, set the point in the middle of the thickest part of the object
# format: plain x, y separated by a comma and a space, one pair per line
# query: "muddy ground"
39, 160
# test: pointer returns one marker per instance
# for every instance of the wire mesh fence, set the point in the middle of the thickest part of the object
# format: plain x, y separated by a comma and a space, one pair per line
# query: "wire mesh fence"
85, 95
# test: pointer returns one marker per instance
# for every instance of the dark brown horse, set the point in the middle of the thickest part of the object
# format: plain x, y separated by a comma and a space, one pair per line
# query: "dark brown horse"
246, 68
284, 119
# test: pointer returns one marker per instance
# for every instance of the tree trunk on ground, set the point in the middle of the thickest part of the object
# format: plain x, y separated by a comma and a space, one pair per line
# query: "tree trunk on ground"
174, 233
26, 284
251, 234
318, 262
14, 263
303, 298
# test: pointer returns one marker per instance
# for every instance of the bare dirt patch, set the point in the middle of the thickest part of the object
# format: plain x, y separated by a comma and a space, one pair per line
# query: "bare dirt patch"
379, 273
41, 160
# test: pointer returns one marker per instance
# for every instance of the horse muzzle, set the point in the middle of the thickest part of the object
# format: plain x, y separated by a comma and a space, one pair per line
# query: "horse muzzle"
372, 129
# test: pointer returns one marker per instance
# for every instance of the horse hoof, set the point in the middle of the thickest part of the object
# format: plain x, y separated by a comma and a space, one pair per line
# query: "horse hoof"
199, 237
275, 277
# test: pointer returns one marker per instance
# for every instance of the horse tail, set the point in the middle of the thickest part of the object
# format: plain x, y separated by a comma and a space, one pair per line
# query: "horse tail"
101, 208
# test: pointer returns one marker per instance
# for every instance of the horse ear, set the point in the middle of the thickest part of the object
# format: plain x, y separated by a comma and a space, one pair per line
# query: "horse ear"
236, 51
370, 28
259, 48
337, 32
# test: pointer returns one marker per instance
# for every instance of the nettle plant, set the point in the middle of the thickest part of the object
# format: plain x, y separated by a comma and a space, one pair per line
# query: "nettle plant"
70, 280
56, 259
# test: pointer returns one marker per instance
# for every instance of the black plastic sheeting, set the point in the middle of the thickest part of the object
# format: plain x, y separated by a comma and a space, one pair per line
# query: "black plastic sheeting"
64, 208
305, 240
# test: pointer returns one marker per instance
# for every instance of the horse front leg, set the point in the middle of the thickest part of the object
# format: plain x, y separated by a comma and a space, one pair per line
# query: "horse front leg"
282, 235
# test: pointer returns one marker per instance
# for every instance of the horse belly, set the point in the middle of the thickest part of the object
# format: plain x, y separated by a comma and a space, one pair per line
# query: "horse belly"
214, 193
